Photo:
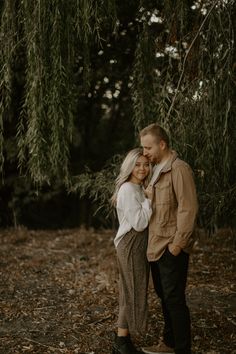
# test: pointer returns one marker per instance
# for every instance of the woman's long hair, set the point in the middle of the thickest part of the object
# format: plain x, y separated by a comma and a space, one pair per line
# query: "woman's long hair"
125, 171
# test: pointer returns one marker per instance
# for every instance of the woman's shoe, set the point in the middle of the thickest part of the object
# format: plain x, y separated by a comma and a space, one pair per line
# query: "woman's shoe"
124, 345
134, 350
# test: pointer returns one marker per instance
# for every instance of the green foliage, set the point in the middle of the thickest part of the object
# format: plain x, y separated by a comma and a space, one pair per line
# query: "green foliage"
50, 38
99, 186
144, 90
192, 94
78, 79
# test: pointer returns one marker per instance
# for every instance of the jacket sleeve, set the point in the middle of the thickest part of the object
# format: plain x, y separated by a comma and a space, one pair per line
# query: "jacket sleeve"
136, 213
185, 192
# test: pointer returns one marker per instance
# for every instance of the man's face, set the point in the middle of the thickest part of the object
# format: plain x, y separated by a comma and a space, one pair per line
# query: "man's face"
151, 148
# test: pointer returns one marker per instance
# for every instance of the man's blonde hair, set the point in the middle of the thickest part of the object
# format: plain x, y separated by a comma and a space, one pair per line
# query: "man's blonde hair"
157, 131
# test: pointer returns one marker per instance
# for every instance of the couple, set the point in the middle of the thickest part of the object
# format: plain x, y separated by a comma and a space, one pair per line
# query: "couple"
156, 213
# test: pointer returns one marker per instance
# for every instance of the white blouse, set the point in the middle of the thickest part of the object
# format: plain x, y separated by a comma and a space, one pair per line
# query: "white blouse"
133, 209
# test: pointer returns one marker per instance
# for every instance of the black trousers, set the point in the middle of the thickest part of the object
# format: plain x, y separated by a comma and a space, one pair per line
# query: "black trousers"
169, 275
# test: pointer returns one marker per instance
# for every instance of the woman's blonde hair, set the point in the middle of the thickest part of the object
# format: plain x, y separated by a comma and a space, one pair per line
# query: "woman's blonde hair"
126, 169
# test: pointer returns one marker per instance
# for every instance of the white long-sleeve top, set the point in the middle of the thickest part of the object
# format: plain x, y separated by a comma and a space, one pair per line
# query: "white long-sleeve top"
133, 210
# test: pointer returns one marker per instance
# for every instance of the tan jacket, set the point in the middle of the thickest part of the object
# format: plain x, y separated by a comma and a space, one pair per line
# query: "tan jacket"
175, 209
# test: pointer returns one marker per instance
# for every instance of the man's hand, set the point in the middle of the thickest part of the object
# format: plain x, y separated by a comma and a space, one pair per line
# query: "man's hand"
175, 250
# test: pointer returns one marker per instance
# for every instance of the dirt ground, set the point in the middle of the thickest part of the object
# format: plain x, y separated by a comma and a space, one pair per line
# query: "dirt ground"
58, 293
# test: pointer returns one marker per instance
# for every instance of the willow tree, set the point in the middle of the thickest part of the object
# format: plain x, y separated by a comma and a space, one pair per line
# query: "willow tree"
181, 76
49, 39
188, 85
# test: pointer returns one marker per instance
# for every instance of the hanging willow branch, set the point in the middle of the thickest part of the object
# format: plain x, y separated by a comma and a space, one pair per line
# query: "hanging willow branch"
8, 44
89, 20
51, 38
45, 46
186, 56
193, 100
145, 81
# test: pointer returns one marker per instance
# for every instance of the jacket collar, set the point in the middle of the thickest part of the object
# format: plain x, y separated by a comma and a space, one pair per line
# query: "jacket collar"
172, 158
167, 167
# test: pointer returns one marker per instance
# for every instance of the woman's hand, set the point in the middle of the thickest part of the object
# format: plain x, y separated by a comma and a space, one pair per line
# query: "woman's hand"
149, 192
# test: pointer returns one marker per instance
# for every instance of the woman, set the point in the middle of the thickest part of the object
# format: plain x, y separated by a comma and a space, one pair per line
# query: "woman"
134, 212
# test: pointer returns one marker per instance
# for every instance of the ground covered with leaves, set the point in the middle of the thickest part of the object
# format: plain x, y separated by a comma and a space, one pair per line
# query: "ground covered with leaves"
58, 293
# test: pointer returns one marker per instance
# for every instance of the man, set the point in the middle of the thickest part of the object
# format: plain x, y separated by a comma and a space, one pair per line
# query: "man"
171, 229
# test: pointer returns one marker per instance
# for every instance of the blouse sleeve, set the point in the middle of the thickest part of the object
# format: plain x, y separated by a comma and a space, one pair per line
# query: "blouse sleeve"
137, 213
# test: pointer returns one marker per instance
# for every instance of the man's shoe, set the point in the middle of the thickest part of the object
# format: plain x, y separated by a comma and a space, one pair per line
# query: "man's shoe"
160, 348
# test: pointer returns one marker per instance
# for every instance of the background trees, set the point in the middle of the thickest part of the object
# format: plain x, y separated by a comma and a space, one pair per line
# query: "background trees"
79, 78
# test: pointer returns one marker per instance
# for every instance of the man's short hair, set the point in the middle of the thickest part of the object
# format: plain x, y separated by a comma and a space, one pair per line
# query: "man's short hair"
157, 131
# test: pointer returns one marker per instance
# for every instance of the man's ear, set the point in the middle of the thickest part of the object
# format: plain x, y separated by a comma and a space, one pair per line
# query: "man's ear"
162, 144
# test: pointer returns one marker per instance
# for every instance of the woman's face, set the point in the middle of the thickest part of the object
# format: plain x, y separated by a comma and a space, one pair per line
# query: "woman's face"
140, 171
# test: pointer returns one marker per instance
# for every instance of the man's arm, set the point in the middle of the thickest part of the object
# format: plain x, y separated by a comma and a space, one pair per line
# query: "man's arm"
185, 191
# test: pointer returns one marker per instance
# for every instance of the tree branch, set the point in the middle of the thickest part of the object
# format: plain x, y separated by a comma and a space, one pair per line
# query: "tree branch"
186, 56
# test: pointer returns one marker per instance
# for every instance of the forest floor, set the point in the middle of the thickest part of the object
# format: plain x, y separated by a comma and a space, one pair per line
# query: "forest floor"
58, 293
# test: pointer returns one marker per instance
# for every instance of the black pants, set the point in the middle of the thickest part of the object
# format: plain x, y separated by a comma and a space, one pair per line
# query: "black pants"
169, 275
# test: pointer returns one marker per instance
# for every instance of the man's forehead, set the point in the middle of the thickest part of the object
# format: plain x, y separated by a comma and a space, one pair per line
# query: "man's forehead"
148, 139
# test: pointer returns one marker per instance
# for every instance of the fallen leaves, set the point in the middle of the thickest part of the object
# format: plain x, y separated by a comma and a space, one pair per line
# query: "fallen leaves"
58, 293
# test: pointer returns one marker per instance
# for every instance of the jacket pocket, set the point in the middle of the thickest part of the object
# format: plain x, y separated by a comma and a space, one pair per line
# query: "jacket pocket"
162, 213
165, 230
163, 193
162, 201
